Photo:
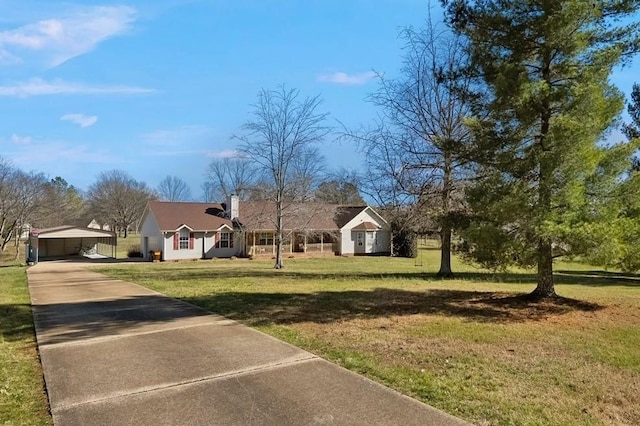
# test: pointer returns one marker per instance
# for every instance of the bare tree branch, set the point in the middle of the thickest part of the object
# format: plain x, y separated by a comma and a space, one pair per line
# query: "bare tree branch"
280, 139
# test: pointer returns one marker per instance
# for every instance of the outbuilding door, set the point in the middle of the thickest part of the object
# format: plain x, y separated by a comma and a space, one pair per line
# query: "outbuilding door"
359, 247
370, 242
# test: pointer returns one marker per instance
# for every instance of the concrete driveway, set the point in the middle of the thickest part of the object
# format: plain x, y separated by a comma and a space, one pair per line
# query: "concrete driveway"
116, 353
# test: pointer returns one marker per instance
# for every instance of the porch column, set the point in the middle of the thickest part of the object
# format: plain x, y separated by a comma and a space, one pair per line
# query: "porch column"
322, 242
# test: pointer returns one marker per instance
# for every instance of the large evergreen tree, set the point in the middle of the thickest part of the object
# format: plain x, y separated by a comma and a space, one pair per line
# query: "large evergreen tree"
543, 101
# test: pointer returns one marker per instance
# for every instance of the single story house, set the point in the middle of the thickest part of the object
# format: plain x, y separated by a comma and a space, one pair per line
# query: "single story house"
185, 230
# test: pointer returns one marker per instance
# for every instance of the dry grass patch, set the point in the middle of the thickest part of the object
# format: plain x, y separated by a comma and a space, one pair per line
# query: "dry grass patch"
470, 346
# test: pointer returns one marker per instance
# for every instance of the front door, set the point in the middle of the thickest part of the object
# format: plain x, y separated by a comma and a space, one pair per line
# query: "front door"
359, 248
371, 242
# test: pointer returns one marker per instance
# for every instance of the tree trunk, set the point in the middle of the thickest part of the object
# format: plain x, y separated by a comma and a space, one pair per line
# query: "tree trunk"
17, 244
445, 229
279, 264
445, 253
545, 288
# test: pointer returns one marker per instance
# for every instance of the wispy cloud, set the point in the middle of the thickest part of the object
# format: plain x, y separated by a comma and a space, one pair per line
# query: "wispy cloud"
348, 79
37, 153
178, 137
61, 38
80, 119
21, 140
225, 153
40, 87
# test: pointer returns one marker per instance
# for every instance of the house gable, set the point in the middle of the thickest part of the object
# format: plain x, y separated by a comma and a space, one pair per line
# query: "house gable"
367, 214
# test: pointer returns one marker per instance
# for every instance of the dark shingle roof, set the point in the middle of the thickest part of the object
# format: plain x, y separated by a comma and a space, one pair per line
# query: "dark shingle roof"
254, 215
261, 215
197, 216
344, 214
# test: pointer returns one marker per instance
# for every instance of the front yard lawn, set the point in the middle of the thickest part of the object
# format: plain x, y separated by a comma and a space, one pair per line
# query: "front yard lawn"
468, 346
22, 397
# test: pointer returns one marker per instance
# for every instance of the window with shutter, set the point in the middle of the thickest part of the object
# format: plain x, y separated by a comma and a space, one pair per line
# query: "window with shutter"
176, 237
224, 240
184, 240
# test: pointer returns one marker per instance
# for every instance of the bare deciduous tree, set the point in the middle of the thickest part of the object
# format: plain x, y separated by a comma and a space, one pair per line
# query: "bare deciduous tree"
305, 175
118, 199
282, 132
21, 195
231, 176
413, 154
172, 188
340, 187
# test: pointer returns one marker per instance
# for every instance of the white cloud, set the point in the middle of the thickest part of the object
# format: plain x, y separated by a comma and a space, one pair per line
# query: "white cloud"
348, 79
80, 119
39, 153
40, 87
59, 39
21, 140
225, 153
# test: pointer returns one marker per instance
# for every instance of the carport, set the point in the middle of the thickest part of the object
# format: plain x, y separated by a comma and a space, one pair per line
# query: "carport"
68, 241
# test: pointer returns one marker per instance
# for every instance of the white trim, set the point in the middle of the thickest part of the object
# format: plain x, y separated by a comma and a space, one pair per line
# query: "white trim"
350, 225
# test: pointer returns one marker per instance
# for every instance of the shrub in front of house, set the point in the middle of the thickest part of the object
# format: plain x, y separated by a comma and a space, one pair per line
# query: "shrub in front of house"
134, 251
405, 244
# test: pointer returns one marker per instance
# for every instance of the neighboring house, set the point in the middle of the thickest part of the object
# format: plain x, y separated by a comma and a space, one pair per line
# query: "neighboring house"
94, 224
247, 228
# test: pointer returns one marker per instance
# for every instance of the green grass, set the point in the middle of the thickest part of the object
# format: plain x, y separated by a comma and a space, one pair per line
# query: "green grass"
125, 244
22, 397
468, 346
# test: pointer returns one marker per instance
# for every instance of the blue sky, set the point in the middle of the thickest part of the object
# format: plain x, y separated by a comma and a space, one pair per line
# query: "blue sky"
158, 87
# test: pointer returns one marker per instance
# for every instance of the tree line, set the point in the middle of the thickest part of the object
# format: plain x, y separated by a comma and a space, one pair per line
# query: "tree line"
116, 200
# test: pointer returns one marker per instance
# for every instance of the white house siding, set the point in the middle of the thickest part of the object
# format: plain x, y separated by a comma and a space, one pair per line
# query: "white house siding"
150, 236
212, 251
347, 241
168, 253
384, 241
203, 247
382, 235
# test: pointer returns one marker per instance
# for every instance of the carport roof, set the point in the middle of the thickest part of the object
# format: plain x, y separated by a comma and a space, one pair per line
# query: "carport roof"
70, 232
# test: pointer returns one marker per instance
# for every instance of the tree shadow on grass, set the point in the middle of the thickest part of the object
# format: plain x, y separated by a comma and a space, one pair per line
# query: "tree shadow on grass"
597, 278
16, 322
563, 277
258, 309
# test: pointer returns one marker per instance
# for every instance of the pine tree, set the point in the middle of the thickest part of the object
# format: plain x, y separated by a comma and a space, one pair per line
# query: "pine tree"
542, 102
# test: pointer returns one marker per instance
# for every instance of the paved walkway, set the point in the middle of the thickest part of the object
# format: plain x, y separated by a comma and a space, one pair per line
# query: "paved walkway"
116, 353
